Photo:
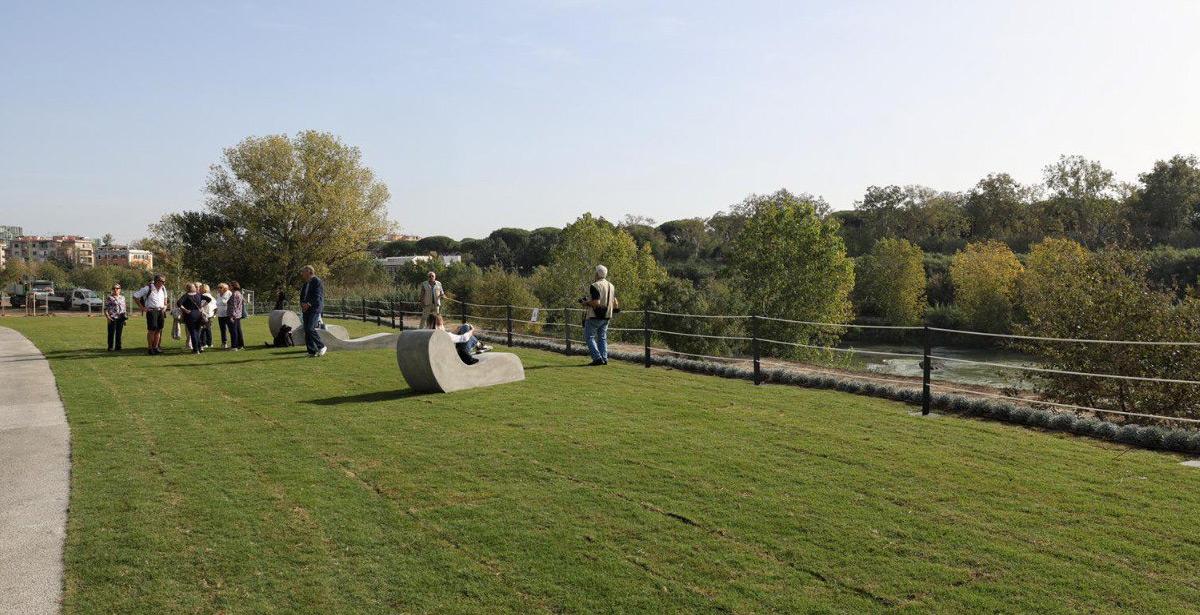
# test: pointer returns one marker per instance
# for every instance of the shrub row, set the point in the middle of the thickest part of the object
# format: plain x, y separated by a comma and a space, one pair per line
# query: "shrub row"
1146, 436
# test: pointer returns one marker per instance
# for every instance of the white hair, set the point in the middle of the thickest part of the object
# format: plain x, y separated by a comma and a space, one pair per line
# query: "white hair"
601, 272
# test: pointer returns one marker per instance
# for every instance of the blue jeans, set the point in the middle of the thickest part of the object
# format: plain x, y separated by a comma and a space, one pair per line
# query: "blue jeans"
312, 340
471, 343
595, 331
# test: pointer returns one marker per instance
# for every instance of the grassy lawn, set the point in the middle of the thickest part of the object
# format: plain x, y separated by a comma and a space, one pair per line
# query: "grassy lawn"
263, 481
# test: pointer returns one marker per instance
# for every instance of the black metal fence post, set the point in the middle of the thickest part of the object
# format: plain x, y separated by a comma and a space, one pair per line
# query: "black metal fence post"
364, 309
646, 337
754, 349
926, 367
401, 315
345, 310
567, 331
392, 312
464, 312
509, 323
379, 314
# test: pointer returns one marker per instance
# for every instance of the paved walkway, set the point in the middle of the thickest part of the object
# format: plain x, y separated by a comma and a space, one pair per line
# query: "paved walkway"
35, 469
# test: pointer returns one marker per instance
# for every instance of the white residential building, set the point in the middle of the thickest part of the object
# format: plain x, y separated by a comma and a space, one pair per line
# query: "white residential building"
124, 256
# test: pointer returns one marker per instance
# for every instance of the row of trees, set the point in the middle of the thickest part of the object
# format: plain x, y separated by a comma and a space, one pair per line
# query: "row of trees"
1078, 199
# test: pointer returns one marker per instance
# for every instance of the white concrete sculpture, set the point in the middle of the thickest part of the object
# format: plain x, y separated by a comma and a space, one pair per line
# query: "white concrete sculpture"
429, 363
340, 340
278, 318
334, 336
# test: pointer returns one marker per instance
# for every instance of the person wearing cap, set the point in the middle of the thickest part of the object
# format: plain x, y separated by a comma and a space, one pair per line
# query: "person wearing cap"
152, 299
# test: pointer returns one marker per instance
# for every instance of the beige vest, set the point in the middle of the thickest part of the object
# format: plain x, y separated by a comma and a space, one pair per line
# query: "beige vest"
606, 291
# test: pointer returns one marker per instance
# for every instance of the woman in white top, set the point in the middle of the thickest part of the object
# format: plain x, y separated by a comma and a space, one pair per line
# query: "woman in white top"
209, 309
221, 304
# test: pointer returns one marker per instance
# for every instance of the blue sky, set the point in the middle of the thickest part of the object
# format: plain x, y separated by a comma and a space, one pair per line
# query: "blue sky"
528, 113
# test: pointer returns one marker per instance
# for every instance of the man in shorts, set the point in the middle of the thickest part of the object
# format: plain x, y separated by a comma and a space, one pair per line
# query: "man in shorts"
431, 301
152, 298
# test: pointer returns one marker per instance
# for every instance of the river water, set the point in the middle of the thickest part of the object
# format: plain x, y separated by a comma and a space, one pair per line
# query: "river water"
949, 371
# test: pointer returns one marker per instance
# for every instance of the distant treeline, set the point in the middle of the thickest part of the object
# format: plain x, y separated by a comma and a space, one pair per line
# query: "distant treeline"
1078, 199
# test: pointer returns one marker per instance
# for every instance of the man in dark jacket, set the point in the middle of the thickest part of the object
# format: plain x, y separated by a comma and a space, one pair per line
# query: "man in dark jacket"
312, 303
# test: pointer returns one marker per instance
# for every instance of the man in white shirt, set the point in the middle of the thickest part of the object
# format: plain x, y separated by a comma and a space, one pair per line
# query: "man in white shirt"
152, 298
431, 300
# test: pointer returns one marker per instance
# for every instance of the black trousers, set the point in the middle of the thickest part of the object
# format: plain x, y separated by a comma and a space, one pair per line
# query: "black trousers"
195, 335
235, 333
206, 334
223, 324
114, 333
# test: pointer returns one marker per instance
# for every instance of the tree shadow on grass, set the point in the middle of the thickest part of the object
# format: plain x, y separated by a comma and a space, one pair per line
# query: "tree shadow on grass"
222, 363
88, 354
363, 398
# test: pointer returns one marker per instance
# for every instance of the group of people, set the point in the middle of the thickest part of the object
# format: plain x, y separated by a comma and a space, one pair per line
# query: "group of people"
194, 311
197, 308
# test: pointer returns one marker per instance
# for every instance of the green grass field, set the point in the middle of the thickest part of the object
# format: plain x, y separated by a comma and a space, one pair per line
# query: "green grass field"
263, 481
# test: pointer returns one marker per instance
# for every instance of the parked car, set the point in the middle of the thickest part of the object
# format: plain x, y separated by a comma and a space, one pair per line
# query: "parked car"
80, 299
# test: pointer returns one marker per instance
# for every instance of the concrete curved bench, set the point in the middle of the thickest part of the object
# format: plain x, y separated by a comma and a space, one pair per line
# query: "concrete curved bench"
331, 337
429, 363
279, 318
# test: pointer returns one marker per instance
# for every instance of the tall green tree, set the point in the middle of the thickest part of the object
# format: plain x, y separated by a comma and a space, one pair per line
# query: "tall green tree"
1167, 203
890, 282
290, 201
985, 278
790, 262
1068, 292
998, 207
591, 241
1084, 203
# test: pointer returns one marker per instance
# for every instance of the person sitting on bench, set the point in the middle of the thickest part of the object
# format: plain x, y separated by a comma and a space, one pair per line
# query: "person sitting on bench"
464, 340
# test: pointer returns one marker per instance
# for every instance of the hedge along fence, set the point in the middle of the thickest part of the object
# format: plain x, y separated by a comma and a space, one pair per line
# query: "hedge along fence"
1004, 410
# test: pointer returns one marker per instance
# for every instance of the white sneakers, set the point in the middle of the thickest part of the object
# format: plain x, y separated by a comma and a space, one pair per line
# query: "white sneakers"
321, 352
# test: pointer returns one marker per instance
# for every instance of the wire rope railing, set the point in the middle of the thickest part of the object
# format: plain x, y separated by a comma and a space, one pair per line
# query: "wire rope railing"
561, 326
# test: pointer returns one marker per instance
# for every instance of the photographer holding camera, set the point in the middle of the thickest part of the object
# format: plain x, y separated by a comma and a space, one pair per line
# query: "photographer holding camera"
599, 309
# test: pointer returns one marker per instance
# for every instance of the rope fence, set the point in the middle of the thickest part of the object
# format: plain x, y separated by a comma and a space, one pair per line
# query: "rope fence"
562, 327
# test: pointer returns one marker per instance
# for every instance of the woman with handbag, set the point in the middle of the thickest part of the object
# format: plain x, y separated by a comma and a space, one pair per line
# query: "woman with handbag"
191, 308
114, 313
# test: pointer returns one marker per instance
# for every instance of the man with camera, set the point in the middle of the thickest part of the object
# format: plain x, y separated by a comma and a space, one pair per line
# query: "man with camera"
599, 308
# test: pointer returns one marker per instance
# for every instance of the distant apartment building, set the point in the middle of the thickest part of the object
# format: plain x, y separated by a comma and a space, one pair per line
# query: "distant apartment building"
3, 252
124, 256
392, 263
399, 237
66, 248
9, 233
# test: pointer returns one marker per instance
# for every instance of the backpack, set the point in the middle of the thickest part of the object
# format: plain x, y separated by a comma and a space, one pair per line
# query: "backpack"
283, 338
